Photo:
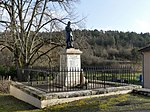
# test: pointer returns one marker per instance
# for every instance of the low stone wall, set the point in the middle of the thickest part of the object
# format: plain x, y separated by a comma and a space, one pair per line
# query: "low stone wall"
142, 91
42, 99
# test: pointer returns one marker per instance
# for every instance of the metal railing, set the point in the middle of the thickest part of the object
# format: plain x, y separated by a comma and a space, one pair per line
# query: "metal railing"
56, 80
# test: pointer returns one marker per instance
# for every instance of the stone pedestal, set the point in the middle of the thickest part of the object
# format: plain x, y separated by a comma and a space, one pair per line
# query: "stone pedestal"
70, 68
70, 59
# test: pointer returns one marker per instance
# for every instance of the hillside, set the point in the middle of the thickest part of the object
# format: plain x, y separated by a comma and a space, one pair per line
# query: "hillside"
108, 46
111, 45
98, 47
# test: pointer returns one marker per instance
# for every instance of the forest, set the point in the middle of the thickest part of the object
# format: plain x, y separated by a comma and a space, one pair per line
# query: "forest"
111, 46
99, 47
106, 46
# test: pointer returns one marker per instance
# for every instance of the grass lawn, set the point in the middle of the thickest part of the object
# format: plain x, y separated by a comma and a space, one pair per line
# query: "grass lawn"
119, 103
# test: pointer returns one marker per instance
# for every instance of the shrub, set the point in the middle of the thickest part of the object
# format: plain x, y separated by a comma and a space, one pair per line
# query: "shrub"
8, 71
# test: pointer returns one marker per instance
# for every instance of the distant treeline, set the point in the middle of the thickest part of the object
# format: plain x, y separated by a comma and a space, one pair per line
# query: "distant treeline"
99, 47
112, 45
106, 46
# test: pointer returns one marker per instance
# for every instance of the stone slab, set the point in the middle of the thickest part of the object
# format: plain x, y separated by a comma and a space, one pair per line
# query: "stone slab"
29, 94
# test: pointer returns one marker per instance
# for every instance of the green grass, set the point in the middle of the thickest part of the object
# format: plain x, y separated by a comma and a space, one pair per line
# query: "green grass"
132, 78
11, 104
105, 104
101, 104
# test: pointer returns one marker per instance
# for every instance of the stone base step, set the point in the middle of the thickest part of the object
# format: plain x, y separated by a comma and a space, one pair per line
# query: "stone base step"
142, 91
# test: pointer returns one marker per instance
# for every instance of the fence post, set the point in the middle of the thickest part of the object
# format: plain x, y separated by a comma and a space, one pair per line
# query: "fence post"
104, 77
9, 78
81, 78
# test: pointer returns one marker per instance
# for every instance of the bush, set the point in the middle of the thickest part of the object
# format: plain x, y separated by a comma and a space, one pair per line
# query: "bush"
8, 71
2, 71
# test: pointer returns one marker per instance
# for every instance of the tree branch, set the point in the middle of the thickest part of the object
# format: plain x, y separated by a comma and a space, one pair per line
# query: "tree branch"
56, 45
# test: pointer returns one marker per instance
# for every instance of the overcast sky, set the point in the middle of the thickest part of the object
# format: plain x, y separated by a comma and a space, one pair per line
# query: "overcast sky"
121, 15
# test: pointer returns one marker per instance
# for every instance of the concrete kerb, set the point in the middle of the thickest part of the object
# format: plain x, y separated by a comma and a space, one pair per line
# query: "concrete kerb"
42, 99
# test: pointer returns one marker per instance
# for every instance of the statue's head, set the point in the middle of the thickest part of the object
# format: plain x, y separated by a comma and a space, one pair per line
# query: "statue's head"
69, 23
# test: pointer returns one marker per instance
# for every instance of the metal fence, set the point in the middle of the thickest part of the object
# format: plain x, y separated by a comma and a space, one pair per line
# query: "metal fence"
58, 80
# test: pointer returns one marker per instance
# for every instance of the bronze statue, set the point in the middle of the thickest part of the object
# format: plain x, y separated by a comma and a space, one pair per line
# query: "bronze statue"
69, 36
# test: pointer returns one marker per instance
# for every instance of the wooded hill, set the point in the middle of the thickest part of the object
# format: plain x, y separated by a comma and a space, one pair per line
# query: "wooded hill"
101, 47
111, 45
98, 47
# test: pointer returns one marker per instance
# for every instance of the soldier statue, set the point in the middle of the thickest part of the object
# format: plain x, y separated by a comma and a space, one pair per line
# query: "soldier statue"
69, 36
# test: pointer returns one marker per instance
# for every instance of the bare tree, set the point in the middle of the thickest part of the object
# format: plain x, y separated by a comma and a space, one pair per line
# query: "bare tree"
22, 20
